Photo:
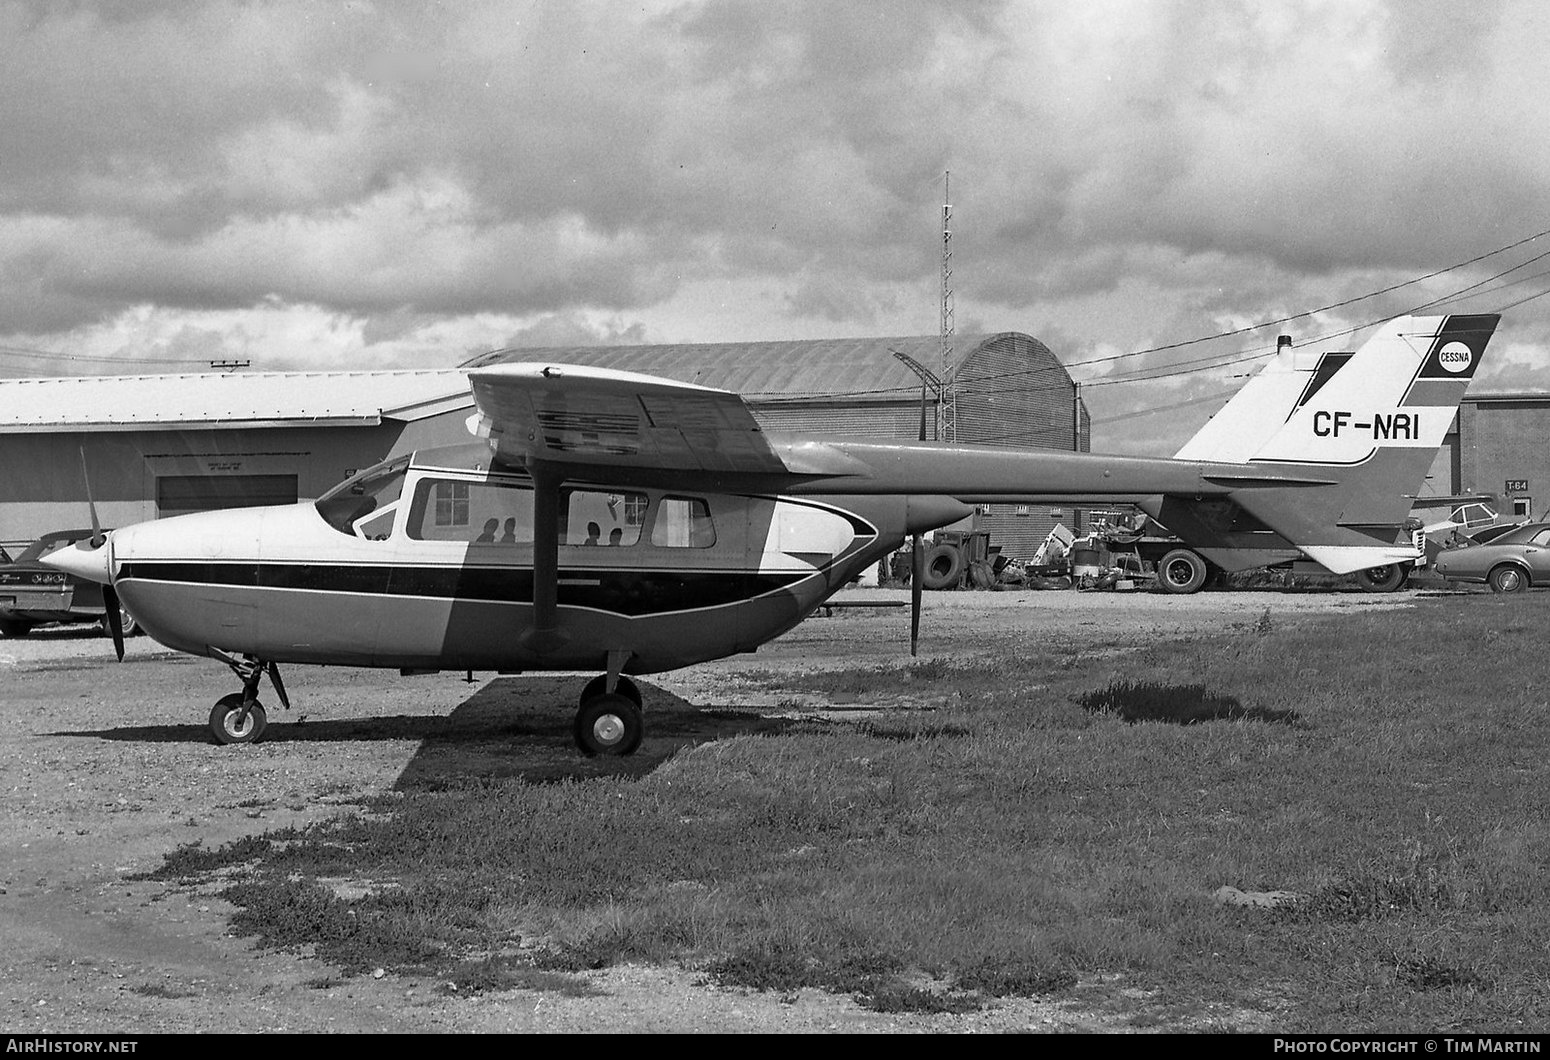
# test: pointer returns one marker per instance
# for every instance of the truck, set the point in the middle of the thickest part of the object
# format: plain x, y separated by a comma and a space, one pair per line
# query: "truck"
1142, 545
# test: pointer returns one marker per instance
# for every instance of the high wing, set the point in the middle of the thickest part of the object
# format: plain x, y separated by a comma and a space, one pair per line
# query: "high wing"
596, 423
601, 425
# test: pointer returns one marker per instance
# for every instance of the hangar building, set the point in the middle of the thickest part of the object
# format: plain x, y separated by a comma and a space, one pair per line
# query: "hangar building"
167, 444
1500, 450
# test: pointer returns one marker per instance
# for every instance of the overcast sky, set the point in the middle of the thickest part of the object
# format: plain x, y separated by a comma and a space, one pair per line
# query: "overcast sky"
362, 185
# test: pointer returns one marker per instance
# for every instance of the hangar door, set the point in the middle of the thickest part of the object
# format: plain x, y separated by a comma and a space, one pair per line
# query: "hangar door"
181, 494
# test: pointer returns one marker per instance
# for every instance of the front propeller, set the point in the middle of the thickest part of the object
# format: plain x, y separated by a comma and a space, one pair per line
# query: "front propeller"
98, 543
115, 619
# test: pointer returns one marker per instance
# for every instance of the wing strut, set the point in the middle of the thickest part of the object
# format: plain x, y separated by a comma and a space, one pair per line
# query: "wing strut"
545, 635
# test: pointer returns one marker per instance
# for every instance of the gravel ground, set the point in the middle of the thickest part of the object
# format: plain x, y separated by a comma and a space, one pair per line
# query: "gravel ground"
105, 768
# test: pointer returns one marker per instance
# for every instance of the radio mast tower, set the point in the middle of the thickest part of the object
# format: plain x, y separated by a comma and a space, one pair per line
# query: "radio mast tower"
947, 402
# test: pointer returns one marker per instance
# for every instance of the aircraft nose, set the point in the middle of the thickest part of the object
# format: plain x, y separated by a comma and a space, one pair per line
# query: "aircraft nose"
84, 561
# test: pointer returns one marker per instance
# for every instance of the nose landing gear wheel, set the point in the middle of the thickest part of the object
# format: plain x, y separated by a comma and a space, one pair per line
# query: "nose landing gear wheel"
609, 724
229, 726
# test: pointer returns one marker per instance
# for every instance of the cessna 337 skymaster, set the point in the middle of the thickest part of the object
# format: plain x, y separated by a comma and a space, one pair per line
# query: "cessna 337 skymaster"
630, 524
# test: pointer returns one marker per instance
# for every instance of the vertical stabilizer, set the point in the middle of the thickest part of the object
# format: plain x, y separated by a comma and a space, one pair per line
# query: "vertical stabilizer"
1400, 391
1262, 407
1368, 423
1374, 428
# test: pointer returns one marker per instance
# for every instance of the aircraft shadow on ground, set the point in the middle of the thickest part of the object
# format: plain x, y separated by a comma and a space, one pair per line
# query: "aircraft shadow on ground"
521, 728
509, 727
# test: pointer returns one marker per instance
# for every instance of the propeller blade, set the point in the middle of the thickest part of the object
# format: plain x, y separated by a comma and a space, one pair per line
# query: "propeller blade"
115, 619
279, 686
917, 576
97, 536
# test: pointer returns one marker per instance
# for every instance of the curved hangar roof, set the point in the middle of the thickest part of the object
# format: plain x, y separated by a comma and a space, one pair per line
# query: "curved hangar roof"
853, 370
844, 370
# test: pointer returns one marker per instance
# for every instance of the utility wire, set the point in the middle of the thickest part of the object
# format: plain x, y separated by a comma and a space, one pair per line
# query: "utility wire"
47, 355
1209, 361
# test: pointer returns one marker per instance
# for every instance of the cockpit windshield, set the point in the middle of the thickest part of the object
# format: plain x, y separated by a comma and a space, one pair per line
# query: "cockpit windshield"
344, 506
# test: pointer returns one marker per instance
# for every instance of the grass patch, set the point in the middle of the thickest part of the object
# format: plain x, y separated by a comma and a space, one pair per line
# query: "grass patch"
1032, 839
193, 860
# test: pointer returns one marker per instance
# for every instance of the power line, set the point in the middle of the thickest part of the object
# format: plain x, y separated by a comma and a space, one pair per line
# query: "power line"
49, 355
1215, 360
1321, 309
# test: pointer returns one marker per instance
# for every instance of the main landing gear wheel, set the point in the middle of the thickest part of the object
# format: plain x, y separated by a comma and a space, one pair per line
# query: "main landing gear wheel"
1508, 580
599, 684
229, 725
609, 724
1181, 571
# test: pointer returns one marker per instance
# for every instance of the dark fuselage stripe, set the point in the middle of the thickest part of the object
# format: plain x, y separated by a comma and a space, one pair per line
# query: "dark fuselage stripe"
632, 593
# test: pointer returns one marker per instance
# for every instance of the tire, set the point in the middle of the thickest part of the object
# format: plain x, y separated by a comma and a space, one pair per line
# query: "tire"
599, 684
1388, 578
944, 567
127, 623
980, 575
1508, 579
609, 724
13, 627
1182, 572
223, 721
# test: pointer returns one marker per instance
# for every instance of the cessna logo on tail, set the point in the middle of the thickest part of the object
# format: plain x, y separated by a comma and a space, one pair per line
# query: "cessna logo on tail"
1456, 357
1383, 426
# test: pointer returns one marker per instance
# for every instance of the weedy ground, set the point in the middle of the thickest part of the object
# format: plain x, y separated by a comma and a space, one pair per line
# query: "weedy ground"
1050, 821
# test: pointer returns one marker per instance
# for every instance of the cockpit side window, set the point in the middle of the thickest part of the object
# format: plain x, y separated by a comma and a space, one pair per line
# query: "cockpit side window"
378, 526
477, 513
347, 504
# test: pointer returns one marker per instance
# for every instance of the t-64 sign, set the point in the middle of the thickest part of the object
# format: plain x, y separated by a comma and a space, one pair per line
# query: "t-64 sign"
1517, 485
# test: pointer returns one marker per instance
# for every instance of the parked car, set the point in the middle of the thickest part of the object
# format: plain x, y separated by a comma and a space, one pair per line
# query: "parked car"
1509, 563
34, 594
1491, 533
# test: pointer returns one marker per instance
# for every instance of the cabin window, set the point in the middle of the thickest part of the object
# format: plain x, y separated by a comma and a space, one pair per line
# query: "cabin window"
476, 513
344, 506
588, 517
683, 522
